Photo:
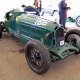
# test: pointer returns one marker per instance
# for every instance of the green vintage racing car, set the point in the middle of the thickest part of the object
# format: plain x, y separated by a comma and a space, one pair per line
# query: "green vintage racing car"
45, 40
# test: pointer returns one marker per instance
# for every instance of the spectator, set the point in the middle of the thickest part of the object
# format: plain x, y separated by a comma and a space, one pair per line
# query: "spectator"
63, 12
38, 5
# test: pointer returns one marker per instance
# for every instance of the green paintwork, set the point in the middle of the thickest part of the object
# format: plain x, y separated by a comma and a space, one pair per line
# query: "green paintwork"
27, 27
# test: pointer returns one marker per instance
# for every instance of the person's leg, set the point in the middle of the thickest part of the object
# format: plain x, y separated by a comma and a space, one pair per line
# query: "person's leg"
61, 19
64, 21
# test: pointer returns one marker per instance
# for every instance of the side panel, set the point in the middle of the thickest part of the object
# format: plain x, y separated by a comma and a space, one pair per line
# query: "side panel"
29, 31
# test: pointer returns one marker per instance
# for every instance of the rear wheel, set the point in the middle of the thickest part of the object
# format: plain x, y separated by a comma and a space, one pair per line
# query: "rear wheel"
1, 29
37, 56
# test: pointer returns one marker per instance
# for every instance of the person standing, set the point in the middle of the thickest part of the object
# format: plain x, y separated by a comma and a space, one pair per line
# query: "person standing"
63, 12
38, 5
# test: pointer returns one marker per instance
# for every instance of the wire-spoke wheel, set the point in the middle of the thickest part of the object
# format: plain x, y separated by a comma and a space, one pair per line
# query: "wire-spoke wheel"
37, 56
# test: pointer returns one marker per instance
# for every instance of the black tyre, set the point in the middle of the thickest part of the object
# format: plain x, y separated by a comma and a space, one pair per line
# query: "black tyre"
1, 29
73, 36
78, 21
37, 56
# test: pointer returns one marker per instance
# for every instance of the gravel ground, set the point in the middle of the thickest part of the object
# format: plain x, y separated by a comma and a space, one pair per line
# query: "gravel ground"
13, 65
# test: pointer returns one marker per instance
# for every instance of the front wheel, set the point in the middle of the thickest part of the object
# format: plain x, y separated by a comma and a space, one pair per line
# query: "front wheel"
73, 37
37, 56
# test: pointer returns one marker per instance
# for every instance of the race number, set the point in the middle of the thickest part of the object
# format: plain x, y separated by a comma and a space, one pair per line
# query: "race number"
41, 22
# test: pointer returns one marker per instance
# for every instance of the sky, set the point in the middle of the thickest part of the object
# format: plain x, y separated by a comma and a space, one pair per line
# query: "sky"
6, 5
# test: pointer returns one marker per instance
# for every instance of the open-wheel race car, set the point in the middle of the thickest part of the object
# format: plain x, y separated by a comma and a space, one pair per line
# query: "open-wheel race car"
45, 40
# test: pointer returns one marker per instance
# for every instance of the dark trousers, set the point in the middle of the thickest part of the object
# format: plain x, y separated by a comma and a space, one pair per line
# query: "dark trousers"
62, 19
